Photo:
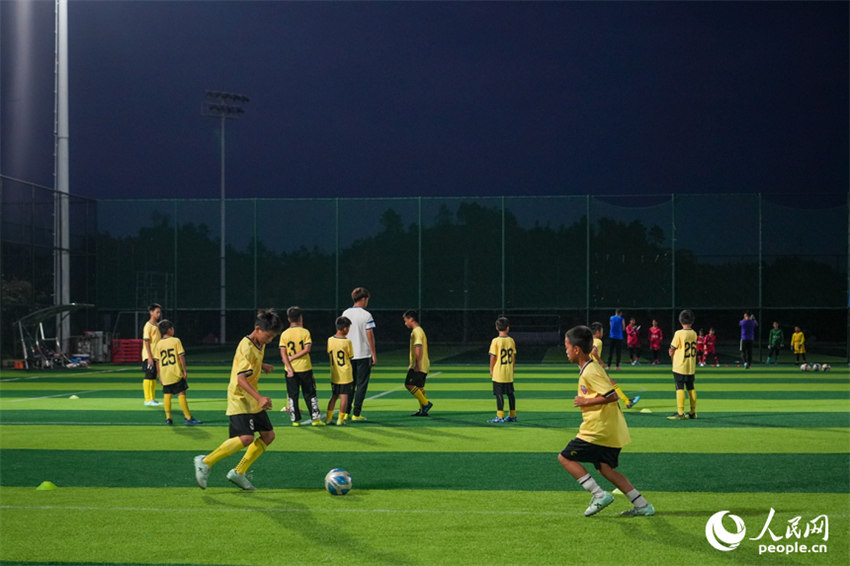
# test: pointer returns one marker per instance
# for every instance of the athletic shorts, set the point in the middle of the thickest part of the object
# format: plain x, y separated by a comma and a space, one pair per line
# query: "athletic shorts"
416, 378
500, 388
683, 381
579, 450
246, 424
342, 388
176, 388
150, 371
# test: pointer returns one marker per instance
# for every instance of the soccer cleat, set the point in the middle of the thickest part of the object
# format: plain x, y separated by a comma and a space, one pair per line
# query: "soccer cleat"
496, 420
318, 422
633, 402
296, 423
202, 471
340, 422
169, 422
154, 403
417, 414
692, 415
646, 511
510, 419
329, 420
358, 418
241, 480
426, 408
597, 504
677, 417
191, 421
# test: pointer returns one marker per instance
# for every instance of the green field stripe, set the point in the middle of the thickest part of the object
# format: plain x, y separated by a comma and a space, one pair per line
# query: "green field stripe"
441, 471
423, 440
216, 417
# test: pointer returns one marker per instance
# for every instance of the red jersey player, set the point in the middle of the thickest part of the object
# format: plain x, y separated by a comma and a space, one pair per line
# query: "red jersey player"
701, 347
711, 347
633, 342
655, 337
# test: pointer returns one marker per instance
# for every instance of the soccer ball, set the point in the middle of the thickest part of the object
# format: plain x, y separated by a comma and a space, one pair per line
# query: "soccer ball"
338, 482
805, 367
815, 367
825, 367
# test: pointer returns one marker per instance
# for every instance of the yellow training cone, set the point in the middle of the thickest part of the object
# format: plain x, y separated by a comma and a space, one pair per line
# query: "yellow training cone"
646, 410
46, 486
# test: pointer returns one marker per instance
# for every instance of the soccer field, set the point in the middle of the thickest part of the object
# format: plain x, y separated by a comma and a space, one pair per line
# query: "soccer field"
449, 489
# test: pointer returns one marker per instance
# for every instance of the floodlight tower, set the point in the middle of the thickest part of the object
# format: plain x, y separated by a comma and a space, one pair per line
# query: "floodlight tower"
225, 106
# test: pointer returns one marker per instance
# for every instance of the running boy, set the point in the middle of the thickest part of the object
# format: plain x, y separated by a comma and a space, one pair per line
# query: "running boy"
246, 407
655, 338
502, 362
596, 354
419, 363
683, 350
150, 336
603, 431
340, 352
171, 368
295, 346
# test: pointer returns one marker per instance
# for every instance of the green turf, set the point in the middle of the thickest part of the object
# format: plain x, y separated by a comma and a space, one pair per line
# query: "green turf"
450, 489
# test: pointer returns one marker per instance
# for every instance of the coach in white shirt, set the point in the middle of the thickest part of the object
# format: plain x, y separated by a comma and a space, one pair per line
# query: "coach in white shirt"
362, 336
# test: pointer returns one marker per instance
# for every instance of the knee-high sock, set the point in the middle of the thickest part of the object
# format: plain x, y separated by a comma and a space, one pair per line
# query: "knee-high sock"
228, 448
680, 401
254, 452
149, 389
184, 404
419, 394
692, 394
623, 397
166, 404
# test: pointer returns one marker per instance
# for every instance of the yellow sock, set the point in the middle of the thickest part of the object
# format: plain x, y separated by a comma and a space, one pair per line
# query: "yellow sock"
341, 419
254, 451
166, 404
420, 396
623, 397
500, 414
680, 401
512, 414
228, 448
692, 394
184, 404
146, 389
330, 415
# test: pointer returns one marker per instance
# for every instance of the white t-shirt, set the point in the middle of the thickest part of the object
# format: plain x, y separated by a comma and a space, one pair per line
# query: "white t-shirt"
361, 321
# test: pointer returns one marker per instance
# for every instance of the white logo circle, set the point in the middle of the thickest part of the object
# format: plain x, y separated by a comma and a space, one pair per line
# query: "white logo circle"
719, 537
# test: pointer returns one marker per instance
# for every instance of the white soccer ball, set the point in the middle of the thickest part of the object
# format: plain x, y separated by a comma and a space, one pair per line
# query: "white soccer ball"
338, 482
815, 367
825, 367
805, 367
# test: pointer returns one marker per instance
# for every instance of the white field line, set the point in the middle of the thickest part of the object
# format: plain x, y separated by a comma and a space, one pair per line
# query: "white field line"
67, 394
85, 374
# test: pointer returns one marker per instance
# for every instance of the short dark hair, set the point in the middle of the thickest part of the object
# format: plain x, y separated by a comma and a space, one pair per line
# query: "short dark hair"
294, 313
596, 327
153, 306
410, 313
360, 293
342, 323
269, 319
502, 323
686, 317
582, 337
164, 326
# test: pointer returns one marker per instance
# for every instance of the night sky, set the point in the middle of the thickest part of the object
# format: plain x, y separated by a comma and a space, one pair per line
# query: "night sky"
383, 99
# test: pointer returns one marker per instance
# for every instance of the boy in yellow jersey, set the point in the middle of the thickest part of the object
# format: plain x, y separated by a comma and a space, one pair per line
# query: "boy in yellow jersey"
340, 352
798, 345
419, 363
246, 407
683, 350
596, 354
603, 431
150, 336
170, 360
295, 346
502, 362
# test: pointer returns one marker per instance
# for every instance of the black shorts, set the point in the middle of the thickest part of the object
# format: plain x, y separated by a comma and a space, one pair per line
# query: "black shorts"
503, 388
176, 388
303, 380
579, 450
150, 370
416, 378
246, 424
683, 381
342, 388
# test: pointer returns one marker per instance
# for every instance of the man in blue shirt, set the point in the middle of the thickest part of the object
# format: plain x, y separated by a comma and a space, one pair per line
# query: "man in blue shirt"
615, 335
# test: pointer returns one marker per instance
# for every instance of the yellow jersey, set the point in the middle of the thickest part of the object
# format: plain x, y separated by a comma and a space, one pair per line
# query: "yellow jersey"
248, 361
597, 343
167, 353
340, 351
503, 349
418, 338
798, 342
295, 339
150, 333
685, 356
603, 425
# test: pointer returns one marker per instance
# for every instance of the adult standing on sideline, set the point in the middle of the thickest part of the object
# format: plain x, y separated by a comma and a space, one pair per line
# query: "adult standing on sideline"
748, 331
362, 336
615, 334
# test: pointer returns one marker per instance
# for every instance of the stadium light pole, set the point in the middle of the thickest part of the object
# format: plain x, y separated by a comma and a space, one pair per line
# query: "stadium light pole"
224, 106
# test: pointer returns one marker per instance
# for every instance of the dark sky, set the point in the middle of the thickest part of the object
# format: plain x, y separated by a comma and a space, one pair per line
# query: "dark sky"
381, 99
